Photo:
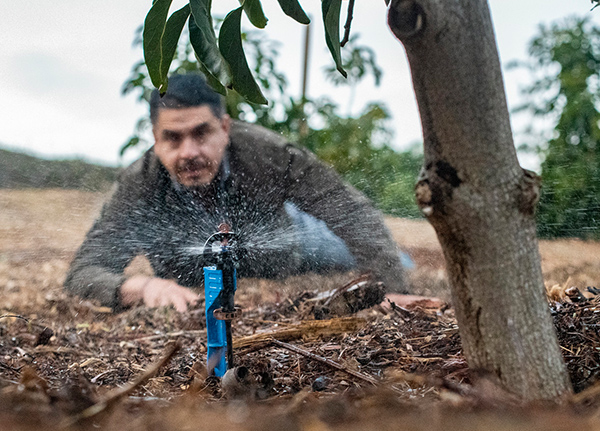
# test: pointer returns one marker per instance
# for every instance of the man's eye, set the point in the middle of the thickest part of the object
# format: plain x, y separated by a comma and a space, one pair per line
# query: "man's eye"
171, 137
199, 134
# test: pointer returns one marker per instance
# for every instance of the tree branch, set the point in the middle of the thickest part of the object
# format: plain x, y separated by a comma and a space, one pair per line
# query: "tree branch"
348, 23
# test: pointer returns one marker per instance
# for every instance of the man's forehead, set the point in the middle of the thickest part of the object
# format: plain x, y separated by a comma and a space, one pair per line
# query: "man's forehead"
185, 117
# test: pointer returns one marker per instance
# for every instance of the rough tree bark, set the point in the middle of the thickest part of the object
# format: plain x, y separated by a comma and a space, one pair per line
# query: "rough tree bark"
477, 197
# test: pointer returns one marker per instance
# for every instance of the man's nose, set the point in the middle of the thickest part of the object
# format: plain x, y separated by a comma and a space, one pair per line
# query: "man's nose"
189, 148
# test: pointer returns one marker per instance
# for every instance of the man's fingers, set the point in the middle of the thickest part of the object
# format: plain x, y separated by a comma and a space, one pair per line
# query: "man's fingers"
166, 293
152, 301
182, 297
191, 297
180, 303
165, 301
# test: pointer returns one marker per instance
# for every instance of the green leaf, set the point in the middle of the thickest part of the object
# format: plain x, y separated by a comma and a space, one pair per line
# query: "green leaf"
331, 19
154, 28
204, 42
212, 79
293, 9
230, 45
132, 142
255, 13
170, 38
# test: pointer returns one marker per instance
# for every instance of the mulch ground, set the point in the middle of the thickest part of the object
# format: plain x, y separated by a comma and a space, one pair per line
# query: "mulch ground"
60, 355
64, 339
68, 363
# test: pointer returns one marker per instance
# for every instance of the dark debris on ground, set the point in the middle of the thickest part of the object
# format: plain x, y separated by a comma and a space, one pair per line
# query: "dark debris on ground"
68, 354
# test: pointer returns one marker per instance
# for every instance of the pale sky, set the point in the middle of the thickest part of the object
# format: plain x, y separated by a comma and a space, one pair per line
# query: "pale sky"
62, 65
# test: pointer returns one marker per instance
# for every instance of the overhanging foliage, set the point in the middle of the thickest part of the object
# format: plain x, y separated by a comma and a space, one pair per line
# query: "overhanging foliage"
222, 59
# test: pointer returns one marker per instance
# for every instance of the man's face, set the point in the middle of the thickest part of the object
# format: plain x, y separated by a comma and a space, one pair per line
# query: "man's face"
190, 143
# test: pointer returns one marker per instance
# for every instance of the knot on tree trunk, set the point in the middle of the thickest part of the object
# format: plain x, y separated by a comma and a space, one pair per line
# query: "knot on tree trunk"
423, 194
529, 193
406, 18
435, 187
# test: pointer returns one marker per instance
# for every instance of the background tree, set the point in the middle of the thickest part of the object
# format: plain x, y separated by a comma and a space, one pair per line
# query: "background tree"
566, 92
357, 148
472, 189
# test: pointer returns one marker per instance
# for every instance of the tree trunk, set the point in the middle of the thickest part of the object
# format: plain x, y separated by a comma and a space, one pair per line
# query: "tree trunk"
477, 197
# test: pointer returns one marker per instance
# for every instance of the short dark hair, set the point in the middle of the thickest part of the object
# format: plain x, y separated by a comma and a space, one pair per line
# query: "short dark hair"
184, 91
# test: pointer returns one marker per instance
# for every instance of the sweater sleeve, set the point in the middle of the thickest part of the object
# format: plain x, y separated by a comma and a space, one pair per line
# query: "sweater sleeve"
96, 271
318, 190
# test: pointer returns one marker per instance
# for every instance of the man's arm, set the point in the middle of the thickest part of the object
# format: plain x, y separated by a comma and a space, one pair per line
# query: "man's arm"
97, 268
119, 234
318, 190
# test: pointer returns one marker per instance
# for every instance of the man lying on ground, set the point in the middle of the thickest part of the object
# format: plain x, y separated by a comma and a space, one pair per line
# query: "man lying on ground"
293, 213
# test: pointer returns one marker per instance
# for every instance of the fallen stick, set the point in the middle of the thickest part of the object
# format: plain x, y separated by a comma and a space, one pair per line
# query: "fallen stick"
14, 316
307, 328
420, 359
326, 361
456, 387
116, 394
588, 393
337, 292
61, 350
169, 334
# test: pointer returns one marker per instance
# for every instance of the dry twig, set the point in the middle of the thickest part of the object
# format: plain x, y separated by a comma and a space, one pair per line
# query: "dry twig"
337, 292
326, 361
587, 394
307, 328
116, 394
170, 334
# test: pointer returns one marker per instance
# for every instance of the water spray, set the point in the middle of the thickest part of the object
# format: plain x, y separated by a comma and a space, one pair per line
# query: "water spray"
222, 251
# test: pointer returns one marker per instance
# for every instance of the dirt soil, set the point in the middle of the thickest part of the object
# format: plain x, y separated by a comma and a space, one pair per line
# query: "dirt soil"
380, 368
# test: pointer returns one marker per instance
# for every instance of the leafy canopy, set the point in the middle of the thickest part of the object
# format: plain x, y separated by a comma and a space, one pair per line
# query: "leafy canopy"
222, 58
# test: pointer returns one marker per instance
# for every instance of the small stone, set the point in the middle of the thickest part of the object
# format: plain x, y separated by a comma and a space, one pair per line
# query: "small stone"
44, 337
321, 383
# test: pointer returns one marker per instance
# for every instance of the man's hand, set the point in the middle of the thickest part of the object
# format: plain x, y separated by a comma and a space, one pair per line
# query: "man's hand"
156, 292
